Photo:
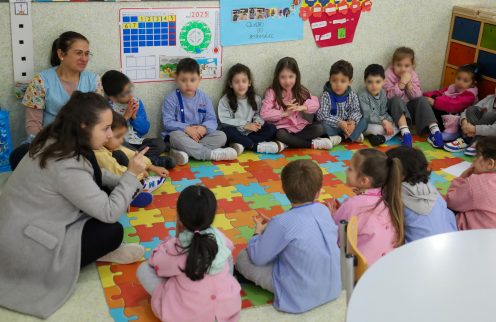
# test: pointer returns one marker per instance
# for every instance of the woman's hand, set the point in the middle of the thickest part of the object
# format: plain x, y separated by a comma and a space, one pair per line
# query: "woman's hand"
137, 163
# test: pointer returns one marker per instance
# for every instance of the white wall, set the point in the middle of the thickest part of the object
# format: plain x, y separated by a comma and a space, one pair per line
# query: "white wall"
420, 24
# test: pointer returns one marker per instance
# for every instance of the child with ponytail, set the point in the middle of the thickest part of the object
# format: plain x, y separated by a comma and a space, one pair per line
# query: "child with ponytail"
189, 277
378, 206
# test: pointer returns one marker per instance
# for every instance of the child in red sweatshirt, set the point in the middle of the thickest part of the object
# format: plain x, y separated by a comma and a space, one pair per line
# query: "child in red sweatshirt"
449, 102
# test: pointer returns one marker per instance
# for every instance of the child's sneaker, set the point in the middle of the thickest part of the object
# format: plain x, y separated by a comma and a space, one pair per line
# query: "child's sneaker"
451, 127
142, 200
322, 144
471, 151
436, 140
458, 145
335, 139
164, 162
180, 157
406, 140
152, 183
376, 140
267, 147
360, 139
223, 154
125, 254
238, 148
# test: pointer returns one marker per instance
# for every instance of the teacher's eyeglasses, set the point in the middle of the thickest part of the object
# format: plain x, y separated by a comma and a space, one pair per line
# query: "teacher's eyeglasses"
81, 54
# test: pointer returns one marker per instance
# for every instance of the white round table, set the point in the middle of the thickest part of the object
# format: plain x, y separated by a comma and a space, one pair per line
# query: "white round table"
449, 277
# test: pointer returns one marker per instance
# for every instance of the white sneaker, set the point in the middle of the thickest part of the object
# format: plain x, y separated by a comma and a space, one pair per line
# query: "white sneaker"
360, 139
223, 154
181, 157
152, 183
125, 254
281, 146
267, 147
322, 144
238, 147
336, 139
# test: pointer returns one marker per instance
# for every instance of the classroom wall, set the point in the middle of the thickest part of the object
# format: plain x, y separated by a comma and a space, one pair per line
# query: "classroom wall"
420, 24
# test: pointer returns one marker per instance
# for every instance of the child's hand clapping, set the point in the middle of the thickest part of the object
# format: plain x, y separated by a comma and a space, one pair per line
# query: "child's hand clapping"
332, 205
343, 125
131, 110
467, 173
261, 222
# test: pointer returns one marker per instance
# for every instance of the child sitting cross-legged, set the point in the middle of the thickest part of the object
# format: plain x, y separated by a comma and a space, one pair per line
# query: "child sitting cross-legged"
190, 276
295, 254
189, 119
426, 212
471, 195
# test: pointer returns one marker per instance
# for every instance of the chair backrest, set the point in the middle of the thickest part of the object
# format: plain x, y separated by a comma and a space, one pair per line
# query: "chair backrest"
352, 247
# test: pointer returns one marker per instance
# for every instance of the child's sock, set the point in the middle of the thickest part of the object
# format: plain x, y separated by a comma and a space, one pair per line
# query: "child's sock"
404, 129
434, 128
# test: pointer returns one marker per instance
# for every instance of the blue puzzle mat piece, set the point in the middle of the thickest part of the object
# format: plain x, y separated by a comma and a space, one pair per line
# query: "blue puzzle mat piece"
250, 190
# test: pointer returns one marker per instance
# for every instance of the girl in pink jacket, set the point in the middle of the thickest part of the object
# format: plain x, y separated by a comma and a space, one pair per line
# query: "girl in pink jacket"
189, 277
406, 103
289, 106
471, 195
378, 205
449, 102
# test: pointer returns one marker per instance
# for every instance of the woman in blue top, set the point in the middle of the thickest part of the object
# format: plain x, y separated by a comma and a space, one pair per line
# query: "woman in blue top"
52, 88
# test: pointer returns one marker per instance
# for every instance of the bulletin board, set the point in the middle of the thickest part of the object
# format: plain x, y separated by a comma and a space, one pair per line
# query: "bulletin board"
153, 40
259, 21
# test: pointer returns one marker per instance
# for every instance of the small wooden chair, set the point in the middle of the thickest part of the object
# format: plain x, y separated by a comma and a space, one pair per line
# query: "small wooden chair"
353, 263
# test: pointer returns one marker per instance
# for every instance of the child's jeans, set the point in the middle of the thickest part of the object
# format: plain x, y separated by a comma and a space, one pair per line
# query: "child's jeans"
202, 150
359, 129
250, 141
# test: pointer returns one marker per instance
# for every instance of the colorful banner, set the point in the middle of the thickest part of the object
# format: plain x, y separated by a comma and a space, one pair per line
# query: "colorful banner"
259, 21
333, 23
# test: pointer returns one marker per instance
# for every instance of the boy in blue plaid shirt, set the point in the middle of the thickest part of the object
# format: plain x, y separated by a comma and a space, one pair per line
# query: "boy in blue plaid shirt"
339, 106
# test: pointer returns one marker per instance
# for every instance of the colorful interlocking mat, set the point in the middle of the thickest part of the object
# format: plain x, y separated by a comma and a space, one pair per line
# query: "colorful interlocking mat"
242, 188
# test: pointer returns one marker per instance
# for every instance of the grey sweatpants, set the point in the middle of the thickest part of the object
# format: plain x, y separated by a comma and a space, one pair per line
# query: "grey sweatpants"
260, 275
418, 111
198, 150
477, 117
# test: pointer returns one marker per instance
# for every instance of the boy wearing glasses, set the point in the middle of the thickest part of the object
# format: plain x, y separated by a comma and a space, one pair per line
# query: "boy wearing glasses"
119, 90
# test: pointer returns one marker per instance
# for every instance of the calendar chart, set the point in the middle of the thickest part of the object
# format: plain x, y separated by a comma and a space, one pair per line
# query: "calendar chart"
154, 40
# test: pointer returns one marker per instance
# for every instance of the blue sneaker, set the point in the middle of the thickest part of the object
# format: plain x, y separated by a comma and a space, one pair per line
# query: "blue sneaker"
436, 140
471, 151
458, 145
142, 200
407, 139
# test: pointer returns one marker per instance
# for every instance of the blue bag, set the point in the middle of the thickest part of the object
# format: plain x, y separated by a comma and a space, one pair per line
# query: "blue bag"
5, 141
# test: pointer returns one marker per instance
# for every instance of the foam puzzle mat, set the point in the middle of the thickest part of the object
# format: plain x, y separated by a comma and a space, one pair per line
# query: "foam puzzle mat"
242, 188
